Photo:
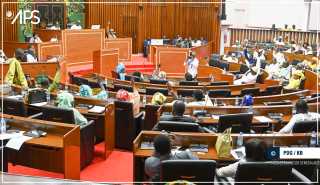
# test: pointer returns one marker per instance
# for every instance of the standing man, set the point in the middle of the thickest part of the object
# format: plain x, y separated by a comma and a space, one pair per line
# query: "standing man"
192, 64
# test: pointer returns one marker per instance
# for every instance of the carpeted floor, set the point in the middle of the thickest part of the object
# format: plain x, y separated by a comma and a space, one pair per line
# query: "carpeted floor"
117, 168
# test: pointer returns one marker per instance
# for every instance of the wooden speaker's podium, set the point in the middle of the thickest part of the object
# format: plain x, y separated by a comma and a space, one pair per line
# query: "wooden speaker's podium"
104, 61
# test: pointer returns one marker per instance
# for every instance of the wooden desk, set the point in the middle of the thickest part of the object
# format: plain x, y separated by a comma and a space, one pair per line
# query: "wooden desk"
170, 58
34, 69
58, 151
209, 139
124, 45
43, 50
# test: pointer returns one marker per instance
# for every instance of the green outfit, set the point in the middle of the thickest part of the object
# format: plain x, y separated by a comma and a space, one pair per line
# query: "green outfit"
15, 74
86, 91
56, 81
65, 100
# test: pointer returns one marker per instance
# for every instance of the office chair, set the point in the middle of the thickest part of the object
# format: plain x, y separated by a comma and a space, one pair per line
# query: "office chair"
265, 172
151, 117
251, 91
185, 92
56, 114
129, 78
217, 83
239, 122
87, 132
14, 107
175, 126
156, 81
152, 91
305, 126
219, 93
188, 83
128, 125
189, 170
117, 87
79, 81
37, 96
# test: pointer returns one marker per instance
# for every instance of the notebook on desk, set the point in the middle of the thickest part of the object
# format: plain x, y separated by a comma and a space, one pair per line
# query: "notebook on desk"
97, 109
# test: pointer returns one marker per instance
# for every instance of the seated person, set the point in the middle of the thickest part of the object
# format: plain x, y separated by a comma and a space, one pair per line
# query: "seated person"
199, 98
30, 55
312, 64
163, 151
138, 75
178, 109
134, 98
15, 74
302, 114
249, 77
158, 99
121, 71
65, 100
284, 71
230, 58
76, 26
35, 38
295, 80
86, 91
54, 39
255, 150
272, 69
43, 81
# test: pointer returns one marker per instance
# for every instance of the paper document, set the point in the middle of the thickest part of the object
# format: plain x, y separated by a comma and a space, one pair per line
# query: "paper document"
215, 116
16, 142
39, 104
238, 153
263, 119
17, 97
97, 109
10, 135
145, 145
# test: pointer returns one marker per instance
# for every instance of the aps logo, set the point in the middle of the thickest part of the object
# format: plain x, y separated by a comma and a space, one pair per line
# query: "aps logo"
23, 16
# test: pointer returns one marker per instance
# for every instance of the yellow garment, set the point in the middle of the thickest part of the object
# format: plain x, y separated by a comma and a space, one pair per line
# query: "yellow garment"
15, 74
293, 84
55, 82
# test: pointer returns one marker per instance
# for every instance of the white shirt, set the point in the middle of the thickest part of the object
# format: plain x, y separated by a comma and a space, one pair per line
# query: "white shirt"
30, 58
247, 79
75, 27
35, 40
272, 69
192, 66
310, 116
279, 57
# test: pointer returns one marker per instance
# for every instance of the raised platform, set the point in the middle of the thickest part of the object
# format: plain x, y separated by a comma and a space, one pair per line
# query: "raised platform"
139, 63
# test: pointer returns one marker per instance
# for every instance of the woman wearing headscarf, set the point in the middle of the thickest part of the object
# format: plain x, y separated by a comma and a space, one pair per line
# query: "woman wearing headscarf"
65, 100
121, 71
86, 91
295, 80
158, 99
15, 73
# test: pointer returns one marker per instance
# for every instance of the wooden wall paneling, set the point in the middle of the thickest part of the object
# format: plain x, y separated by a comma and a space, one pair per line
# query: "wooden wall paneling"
10, 31
145, 20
